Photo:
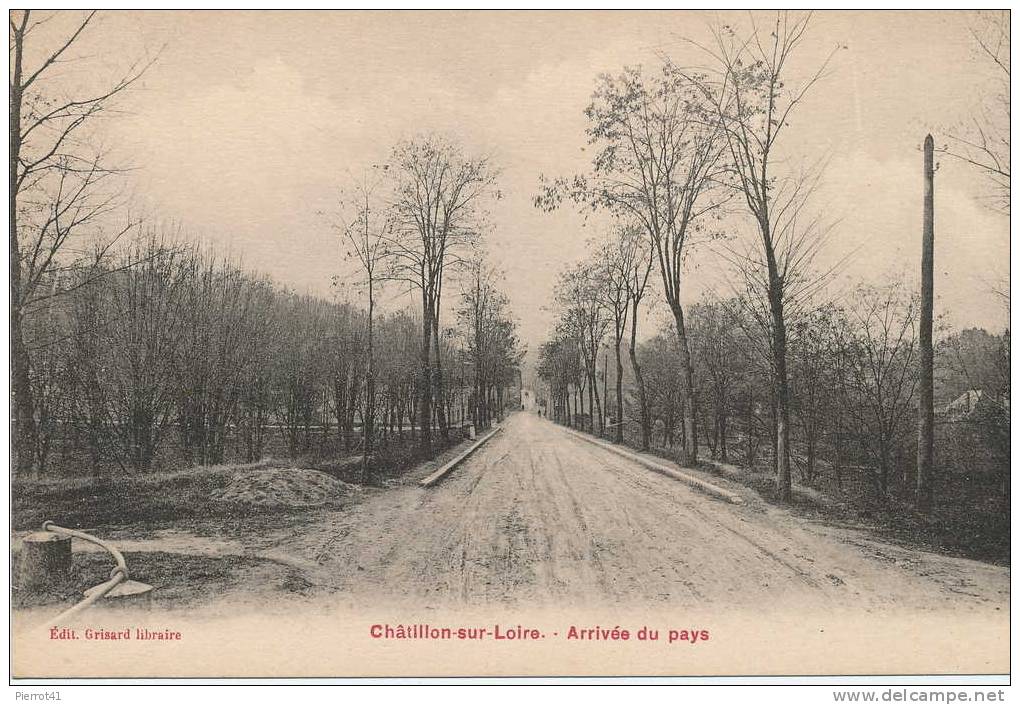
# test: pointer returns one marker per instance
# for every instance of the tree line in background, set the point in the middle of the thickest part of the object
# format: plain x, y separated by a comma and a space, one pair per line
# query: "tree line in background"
185, 352
774, 372
130, 346
853, 390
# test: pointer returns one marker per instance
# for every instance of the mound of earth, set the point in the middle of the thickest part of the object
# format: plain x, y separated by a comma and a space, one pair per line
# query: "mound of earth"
287, 487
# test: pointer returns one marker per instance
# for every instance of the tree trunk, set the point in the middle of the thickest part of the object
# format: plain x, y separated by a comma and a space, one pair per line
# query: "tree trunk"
619, 394
749, 459
425, 404
23, 414
44, 562
440, 399
646, 423
837, 465
809, 471
782, 383
783, 480
605, 395
723, 453
774, 428
883, 471
688, 454
476, 403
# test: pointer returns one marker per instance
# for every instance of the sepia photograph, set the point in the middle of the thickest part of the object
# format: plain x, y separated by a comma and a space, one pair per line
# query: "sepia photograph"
425, 344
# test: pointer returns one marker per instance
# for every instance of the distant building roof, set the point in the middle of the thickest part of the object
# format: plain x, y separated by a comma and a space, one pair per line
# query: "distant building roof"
968, 402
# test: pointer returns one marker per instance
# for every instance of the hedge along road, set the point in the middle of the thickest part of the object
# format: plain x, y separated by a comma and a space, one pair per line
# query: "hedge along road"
540, 517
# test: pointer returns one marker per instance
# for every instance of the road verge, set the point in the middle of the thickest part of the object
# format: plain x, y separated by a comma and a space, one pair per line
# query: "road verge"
659, 467
439, 474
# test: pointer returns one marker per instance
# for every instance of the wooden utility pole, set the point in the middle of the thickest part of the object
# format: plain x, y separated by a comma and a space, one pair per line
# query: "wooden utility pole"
926, 408
368, 421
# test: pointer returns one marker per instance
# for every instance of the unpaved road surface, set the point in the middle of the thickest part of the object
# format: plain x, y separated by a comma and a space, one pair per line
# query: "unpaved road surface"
538, 517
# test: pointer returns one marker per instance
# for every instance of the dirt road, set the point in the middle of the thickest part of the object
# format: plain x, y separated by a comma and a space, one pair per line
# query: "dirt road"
541, 518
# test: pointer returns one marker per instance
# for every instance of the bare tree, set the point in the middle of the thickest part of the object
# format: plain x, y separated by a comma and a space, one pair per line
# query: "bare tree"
642, 259
439, 197
983, 140
478, 301
225, 317
753, 104
718, 347
658, 162
881, 374
491, 339
57, 189
255, 397
614, 261
625, 266
148, 323
814, 378
660, 363
366, 229
559, 364
583, 318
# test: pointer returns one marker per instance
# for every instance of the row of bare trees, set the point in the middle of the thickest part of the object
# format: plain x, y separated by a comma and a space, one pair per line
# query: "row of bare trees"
694, 160
599, 300
677, 150
60, 193
184, 353
121, 333
491, 345
853, 377
416, 223
162, 352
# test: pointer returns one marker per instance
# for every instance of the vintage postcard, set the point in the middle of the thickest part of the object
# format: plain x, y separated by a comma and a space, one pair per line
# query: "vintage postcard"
509, 343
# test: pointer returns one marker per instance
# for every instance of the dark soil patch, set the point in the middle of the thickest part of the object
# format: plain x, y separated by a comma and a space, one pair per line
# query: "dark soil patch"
179, 580
951, 528
948, 529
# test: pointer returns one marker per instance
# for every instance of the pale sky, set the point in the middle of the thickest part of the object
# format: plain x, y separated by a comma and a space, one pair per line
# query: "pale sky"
248, 124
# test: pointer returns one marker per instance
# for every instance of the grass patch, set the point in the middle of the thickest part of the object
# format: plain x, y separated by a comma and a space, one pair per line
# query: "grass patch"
165, 498
961, 525
951, 528
136, 500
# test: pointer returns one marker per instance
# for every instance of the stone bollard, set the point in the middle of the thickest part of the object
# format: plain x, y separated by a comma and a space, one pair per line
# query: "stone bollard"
471, 431
45, 560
